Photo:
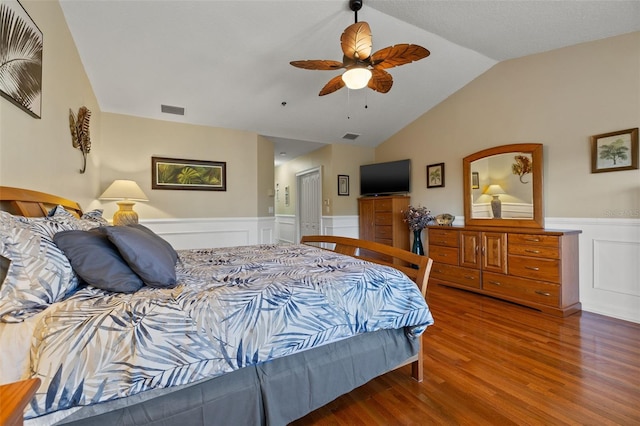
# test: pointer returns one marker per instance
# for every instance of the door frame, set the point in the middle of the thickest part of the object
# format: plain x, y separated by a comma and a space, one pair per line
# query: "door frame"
299, 176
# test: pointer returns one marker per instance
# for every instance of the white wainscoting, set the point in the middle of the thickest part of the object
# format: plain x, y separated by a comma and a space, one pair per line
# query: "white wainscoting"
345, 226
214, 232
609, 264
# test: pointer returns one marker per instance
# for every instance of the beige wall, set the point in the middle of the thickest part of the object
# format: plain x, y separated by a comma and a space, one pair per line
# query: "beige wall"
558, 98
336, 159
130, 142
37, 153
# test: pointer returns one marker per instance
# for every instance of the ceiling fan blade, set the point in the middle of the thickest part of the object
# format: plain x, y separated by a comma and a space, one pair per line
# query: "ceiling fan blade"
318, 64
334, 84
381, 81
397, 55
356, 41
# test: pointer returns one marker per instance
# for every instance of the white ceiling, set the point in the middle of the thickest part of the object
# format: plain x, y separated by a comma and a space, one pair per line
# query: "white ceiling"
227, 62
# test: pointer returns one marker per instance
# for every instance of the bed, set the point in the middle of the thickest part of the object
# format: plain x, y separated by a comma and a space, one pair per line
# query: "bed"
243, 335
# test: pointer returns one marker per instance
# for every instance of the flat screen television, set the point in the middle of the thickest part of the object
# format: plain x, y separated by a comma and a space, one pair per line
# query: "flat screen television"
392, 177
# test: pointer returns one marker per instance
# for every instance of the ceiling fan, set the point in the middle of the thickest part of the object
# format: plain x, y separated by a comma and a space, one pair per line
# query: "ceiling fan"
362, 67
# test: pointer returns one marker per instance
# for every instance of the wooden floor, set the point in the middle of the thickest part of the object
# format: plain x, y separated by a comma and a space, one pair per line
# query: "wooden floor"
489, 362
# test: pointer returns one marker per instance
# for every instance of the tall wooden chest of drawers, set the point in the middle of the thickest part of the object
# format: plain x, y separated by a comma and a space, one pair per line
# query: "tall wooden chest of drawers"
536, 268
380, 220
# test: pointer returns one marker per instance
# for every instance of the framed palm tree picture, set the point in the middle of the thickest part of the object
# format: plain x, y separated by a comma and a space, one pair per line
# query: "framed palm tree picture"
435, 175
173, 173
21, 46
614, 151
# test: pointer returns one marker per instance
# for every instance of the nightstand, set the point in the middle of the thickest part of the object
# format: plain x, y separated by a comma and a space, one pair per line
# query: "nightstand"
14, 397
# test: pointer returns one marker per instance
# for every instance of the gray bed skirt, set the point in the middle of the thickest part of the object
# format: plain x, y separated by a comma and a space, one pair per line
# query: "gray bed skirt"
273, 393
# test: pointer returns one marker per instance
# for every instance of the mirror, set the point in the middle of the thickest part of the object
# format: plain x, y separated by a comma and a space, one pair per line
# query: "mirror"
503, 186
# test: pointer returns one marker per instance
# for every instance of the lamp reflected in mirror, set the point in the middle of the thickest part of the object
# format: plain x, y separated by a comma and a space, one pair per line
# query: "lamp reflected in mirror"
495, 191
127, 191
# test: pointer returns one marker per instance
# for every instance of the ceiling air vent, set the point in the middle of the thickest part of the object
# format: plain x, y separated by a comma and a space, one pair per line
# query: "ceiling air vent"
170, 109
351, 136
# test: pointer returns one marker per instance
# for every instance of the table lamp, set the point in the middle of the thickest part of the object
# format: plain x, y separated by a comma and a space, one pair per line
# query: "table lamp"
496, 205
128, 191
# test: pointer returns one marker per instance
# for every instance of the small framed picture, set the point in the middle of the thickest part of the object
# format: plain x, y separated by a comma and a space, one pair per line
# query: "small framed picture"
615, 151
343, 184
475, 180
435, 175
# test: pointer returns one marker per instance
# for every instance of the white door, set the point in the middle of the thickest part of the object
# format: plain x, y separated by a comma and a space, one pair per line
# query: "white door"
309, 203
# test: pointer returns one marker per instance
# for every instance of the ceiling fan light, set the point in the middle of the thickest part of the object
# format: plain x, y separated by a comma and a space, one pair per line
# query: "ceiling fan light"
356, 78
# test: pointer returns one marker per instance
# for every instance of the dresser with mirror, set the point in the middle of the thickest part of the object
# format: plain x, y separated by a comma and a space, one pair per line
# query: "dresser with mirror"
504, 250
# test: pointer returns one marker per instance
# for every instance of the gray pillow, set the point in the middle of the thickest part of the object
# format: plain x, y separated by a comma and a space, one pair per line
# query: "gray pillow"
97, 261
146, 254
4, 268
160, 240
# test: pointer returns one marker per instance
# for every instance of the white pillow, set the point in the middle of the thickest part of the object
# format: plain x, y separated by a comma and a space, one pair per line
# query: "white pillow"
38, 275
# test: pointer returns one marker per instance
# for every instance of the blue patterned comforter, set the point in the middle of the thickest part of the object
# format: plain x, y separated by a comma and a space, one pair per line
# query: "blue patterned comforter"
232, 307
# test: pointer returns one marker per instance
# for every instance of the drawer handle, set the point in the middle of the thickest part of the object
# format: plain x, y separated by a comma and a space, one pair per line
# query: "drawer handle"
438, 271
543, 293
444, 243
533, 240
533, 268
532, 251
498, 283
470, 277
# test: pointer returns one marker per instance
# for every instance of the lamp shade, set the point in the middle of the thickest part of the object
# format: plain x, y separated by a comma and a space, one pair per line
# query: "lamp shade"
494, 189
124, 190
357, 77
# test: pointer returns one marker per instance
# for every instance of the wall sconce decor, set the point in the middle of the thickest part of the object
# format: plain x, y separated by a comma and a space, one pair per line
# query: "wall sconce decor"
128, 191
80, 138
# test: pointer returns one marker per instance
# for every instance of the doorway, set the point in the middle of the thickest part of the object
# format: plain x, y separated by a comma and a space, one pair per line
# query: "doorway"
309, 202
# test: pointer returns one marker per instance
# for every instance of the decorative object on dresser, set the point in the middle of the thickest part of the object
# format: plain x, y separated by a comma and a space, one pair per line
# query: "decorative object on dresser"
535, 268
128, 192
80, 138
615, 151
380, 220
21, 58
417, 218
445, 219
523, 206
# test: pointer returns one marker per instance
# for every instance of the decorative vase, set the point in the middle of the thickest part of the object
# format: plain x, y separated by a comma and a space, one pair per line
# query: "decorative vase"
496, 207
417, 247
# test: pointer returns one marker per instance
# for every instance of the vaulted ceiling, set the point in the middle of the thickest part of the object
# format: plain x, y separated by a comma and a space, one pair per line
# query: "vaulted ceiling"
227, 62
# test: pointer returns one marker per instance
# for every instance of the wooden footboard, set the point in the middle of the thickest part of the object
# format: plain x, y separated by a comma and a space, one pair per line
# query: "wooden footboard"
413, 265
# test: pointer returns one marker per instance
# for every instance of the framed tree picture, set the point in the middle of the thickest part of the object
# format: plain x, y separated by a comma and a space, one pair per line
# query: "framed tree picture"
435, 175
21, 61
615, 151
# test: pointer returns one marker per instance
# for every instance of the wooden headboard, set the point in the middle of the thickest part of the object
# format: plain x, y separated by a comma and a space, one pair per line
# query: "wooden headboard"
25, 202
